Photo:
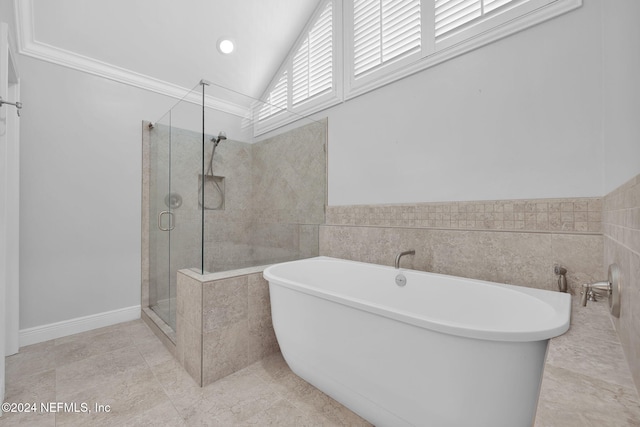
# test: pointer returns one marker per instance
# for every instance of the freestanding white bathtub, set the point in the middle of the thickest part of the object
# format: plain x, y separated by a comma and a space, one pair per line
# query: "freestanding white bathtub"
440, 351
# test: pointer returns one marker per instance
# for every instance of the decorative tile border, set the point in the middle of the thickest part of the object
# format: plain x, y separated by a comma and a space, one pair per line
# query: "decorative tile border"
575, 215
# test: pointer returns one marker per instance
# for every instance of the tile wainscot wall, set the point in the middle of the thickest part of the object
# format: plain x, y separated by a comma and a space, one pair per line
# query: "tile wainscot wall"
621, 222
508, 241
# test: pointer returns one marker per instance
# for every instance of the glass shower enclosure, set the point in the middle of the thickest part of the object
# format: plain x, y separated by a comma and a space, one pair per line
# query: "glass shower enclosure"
215, 198
175, 219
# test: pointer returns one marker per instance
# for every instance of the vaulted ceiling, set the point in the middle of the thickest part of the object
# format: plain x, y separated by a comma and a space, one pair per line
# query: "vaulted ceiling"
166, 45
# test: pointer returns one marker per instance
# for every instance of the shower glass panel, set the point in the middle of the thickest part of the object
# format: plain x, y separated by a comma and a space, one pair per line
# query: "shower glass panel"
159, 254
221, 198
175, 226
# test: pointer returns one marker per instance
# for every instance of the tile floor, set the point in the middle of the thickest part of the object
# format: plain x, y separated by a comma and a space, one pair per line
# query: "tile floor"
587, 382
125, 366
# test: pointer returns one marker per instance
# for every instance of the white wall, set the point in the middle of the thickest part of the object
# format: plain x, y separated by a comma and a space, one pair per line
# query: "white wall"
80, 188
7, 16
621, 94
519, 118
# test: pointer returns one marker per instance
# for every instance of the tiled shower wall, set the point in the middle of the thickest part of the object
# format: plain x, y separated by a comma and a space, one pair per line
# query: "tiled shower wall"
508, 241
621, 221
227, 243
275, 192
288, 194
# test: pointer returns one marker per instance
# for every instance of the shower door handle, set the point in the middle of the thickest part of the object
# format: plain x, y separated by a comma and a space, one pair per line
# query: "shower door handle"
172, 224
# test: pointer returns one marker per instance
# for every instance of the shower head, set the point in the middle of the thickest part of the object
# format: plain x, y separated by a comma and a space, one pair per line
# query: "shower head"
221, 137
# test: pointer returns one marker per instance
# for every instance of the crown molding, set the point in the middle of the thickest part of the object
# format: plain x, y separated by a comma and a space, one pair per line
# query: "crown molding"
29, 46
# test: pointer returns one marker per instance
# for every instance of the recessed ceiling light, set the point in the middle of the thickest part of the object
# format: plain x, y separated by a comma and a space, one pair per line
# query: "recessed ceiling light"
225, 45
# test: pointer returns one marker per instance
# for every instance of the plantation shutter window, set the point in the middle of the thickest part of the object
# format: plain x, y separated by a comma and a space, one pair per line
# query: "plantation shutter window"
384, 31
454, 14
313, 62
306, 80
277, 99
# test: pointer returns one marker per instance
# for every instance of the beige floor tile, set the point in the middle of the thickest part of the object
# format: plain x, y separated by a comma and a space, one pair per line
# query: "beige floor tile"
163, 414
127, 367
593, 320
232, 400
40, 387
153, 351
123, 400
567, 395
309, 399
28, 420
270, 368
98, 371
87, 345
284, 414
179, 386
318, 405
137, 330
556, 417
600, 359
32, 389
30, 360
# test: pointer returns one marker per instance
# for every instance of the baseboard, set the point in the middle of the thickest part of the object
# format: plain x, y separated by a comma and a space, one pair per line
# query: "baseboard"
79, 324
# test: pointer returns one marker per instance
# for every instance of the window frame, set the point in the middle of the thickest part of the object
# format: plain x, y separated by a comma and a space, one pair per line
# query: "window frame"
371, 77
503, 22
317, 102
477, 33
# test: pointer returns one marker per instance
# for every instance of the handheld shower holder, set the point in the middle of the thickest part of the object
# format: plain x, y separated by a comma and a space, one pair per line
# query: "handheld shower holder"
561, 272
611, 287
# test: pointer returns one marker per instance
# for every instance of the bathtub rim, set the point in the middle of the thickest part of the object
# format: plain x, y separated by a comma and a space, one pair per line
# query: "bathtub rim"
561, 305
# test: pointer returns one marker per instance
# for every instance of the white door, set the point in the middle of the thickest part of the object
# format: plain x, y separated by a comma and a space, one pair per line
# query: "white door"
9, 203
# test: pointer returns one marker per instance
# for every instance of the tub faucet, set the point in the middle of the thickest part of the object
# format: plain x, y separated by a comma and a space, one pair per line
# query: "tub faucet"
611, 287
401, 254
589, 291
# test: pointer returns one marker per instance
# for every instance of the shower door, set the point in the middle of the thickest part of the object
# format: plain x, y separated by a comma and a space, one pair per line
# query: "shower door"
161, 224
175, 217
